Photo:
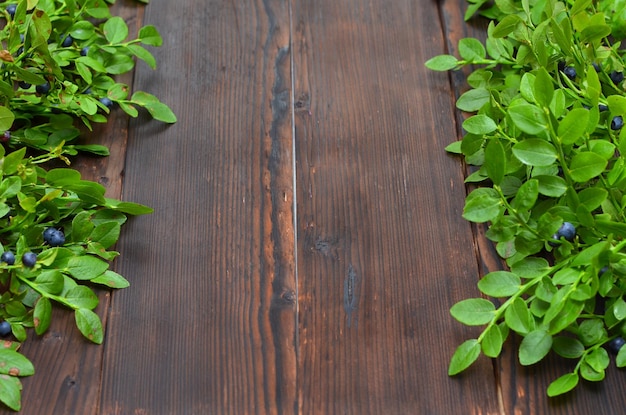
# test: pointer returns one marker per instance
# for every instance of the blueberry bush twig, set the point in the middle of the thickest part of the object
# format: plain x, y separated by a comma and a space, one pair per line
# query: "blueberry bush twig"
546, 137
58, 62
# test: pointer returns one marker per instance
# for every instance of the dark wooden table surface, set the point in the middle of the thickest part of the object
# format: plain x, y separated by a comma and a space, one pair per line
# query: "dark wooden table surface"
307, 241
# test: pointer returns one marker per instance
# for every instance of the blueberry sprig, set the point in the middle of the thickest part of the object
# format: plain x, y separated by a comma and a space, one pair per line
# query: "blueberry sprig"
544, 130
57, 231
61, 60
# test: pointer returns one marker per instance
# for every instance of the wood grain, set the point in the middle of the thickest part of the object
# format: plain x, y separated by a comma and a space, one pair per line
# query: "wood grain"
378, 197
208, 326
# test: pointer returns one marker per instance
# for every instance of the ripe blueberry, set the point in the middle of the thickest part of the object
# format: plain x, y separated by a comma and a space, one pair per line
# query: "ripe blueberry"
67, 42
603, 107
567, 231
5, 328
84, 51
43, 88
561, 66
616, 77
8, 257
106, 102
616, 344
596, 67
11, 8
617, 123
570, 72
29, 259
53, 237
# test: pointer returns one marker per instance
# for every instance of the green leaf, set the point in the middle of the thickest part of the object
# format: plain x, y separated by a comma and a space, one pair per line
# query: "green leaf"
128, 207
148, 35
50, 281
586, 165
579, 6
563, 384
86, 267
526, 195
466, 354
471, 49
82, 29
535, 152
495, 161
492, 341
587, 255
499, 284
534, 347
507, 25
89, 325
573, 126
11, 392
589, 373
42, 315
473, 100
552, 186
442, 63
529, 118
568, 347
106, 234
482, 205
473, 311
82, 297
14, 364
454, 147
161, 112
62, 177
143, 54
115, 30
518, 317
6, 118
620, 359
544, 87
479, 124
111, 279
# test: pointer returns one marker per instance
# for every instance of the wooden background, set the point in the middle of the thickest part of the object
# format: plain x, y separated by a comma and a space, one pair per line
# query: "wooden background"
307, 241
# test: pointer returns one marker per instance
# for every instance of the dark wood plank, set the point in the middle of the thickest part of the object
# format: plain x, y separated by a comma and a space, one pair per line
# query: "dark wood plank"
69, 368
380, 234
208, 326
523, 389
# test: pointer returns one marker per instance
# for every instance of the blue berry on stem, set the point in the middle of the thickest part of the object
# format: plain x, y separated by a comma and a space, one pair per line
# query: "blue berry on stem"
84, 51
617, 123
29, 259
11, 8
106, 102
616, 344
5, 328
8, 257
603, 107
43, 88
67, 42
53, 237
567, 231
616, 77
570, 72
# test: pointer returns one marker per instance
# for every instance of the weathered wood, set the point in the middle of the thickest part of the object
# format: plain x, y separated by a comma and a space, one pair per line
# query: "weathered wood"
208, 325
382, 248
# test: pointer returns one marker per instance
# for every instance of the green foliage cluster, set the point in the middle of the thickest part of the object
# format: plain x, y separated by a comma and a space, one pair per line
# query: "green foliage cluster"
79, 75
548, 148
58, 62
